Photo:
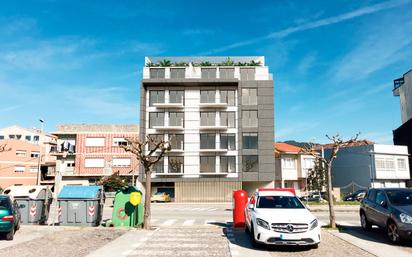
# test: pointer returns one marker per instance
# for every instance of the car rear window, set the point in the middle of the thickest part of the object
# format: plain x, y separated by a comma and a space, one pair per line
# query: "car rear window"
4, 203
400, 197
279, 202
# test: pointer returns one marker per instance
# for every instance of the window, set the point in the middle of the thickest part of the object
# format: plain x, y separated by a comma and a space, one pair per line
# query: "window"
157, 138
176, 119
34, 154
380, 163
156, 96
227, 141
227, 164
176, 164
208, 141
70, 164
227, 73
118, 141
207, 118
250, 119
177, 73
1, 137
28, 138
207, 164
250, 140
249, 96
207, 96
94, 163
94, 141
121, 162
250, 163
36, 138
159, 166
289, 163
380, 196
401, 164
156, 119
157, 73
390, 164
385, 163
19, 168
227, 119
247, 73
176, 141
279, 202
308, 163
20, 153
208, 73
227, 96
33, 169
176, 96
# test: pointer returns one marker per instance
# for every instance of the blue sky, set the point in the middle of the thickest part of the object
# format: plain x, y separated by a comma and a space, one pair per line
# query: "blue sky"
333, 61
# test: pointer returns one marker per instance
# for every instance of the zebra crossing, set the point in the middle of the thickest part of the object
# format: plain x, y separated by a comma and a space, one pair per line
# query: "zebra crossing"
188, 222
195, 209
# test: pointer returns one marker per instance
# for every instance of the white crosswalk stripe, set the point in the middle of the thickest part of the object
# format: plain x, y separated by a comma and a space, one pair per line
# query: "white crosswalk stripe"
188, 222
168, 222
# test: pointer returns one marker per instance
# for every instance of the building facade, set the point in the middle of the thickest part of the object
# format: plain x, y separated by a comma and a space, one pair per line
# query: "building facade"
26, 151
87, 152
292, 167
218, 114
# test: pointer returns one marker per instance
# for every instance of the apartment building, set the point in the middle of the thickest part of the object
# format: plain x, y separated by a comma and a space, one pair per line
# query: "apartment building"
87, 152
26, 151
292, 167
218, 114
402, 135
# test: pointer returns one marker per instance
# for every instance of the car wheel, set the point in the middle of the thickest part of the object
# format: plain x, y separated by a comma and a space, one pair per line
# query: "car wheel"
393, 233
315, 246
10, 235
366, 225
18, 226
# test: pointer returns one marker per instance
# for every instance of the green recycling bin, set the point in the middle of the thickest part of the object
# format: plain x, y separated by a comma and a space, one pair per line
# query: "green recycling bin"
124, 213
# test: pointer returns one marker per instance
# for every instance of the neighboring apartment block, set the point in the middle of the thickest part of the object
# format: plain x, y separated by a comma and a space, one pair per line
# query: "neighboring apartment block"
403, 134
218, 113
292, 167
87, 152
26, 150
370, 165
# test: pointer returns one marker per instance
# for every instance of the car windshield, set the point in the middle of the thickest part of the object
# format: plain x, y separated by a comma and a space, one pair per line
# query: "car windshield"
4, 203
279, 202
400, 197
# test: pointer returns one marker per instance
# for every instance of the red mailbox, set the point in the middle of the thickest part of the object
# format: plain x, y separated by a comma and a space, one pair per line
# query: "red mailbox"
239, 205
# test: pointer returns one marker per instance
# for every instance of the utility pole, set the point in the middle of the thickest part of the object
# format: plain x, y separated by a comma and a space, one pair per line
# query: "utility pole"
40, 153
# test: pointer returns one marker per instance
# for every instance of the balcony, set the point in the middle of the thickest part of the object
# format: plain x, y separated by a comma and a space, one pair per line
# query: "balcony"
168, 128
213, 105
212, 127
168, 105
63, 149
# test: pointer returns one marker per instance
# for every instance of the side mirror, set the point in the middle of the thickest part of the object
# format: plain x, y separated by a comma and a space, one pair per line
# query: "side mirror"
250, 206
383, 204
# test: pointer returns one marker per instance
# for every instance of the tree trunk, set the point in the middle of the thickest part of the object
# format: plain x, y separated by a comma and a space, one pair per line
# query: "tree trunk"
147, 214
332, 218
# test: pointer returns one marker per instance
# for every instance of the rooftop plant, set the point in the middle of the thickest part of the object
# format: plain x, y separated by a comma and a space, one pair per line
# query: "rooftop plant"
227, 62
165, 63
180, 64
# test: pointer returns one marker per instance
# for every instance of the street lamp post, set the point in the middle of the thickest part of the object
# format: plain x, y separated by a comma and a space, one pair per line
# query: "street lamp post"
40, 153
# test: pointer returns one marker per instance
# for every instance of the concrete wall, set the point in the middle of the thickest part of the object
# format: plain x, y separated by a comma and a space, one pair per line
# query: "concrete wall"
405, 95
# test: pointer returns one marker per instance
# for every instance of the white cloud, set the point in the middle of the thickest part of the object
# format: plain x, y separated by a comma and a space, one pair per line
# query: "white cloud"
306, 63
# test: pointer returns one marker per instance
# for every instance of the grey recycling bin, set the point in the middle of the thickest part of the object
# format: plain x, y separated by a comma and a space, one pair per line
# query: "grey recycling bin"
81, 205
33, 201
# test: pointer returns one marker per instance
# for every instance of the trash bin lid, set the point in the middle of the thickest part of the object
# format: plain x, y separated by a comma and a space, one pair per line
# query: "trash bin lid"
31, 192
80, 192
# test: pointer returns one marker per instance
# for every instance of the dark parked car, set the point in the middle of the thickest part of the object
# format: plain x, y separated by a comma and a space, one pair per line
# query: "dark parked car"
389, 208
9, 217
355, 196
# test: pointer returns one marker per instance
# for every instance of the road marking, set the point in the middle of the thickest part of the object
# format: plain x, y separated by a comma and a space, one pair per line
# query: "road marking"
196, 209
188, 222
128, 252
168, 222
213, 209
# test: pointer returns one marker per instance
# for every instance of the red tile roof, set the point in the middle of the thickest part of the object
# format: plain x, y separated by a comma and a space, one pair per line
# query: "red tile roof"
287, 148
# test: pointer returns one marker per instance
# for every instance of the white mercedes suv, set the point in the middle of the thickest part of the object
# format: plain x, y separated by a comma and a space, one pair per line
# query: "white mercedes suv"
278, 217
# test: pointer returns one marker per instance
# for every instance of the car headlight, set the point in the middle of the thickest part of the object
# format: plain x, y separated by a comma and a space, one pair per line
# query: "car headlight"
405, 218
262, 223
313, 224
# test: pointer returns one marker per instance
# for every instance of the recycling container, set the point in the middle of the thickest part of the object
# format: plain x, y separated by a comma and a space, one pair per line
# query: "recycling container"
81, 205
125, 214
33, 201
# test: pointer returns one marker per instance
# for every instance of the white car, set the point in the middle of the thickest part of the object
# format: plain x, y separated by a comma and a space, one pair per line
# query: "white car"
279, 218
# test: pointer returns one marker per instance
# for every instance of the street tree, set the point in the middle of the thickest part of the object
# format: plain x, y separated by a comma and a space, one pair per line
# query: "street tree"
156, 149
317, 177
336, 144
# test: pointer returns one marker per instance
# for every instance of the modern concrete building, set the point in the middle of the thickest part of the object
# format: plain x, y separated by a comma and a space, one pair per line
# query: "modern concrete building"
87, 152
292, 167
26, 150
403, 134
218, 114
370, 165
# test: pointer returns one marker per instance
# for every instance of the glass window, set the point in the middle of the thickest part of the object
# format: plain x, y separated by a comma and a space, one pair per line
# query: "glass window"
380, 163
28, 138
227, 96
228, 141
94, 141
207, 118
118, 141
207, 96
156, 119
121, 162
380, 196
34, 154
177, 73
19, 168
158, 167
20, 153
401, 164
156, 96
176, 119
372, 195
249, 96
289, 163
208, 73
227, 164
400, 197
207, 164
157, 73
250, 119
156, 138
227, 119
208, 141
247, 73
35, 138
279, 202
176, 141
250, 163
227, 73
1, 137
176, 96
250, 140
176, 164
308, 163
94, 163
